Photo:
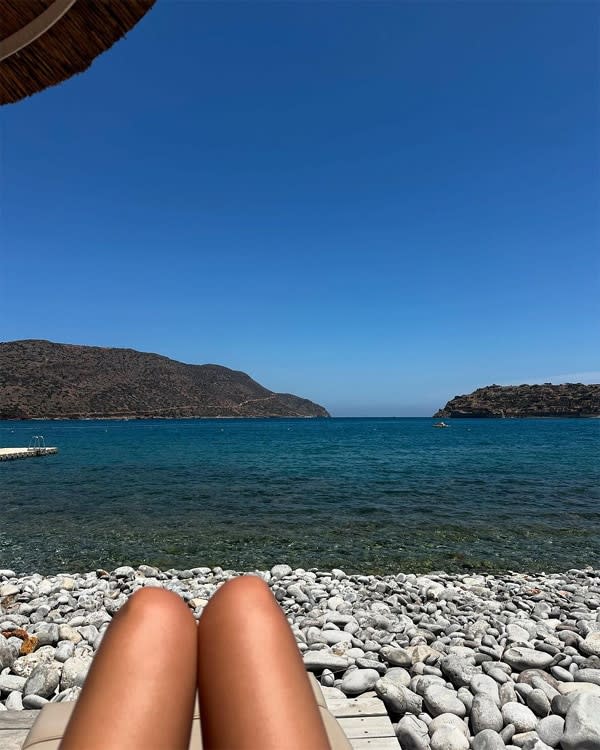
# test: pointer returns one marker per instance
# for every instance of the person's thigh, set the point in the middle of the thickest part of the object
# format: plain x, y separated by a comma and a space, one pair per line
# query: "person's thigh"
140, 691
254, 691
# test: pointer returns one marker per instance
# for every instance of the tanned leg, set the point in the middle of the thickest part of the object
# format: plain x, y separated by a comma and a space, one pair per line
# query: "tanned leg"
253, 688
140, 690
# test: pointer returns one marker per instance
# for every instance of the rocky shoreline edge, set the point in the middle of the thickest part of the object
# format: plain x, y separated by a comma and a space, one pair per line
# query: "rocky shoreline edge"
460, 660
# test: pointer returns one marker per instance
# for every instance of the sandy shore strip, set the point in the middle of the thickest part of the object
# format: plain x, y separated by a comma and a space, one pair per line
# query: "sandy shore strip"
461, 660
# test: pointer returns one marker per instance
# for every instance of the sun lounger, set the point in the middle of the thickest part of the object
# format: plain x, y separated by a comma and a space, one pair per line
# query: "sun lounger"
49, 727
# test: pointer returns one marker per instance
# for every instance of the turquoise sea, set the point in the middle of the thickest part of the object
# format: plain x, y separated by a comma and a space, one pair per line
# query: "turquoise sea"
372, 495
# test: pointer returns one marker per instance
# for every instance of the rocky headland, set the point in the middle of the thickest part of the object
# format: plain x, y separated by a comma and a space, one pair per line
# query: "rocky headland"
546, 400
460, 661
44, 380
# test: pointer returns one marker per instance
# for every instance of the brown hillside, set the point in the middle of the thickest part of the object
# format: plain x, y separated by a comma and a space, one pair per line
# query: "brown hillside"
547, 400
46, 380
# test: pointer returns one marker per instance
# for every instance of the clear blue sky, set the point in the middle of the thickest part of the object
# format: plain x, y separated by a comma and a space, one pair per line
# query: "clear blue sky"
373, 205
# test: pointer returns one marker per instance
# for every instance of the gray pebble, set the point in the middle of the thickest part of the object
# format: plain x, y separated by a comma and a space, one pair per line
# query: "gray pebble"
14, 701
397, 657
359, 681
412, 733
448, 720
449, 738
487, 740
75, 671
582, 725
440, 700
64, 651
43, 681
10, 682
561, 674
34, 701
508, 733
485, 714
538, 702
7, 655
399, 699
550, 729
526, 658
522, 717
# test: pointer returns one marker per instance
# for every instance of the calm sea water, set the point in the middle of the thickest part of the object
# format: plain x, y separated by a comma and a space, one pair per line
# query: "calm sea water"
374, 495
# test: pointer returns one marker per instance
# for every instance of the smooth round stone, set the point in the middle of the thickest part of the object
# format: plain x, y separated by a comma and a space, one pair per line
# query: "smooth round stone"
591, 645
332, 637
487, 739
399, 699
451, 720
485, 714
10, 682
34, 701
522, 717
9, 589
517, 633
485, 685
398, 676
546, 688
498, 675
327, 678
550, 729
538, 702
508, 693
440, 700
64, 651
397, 657
466, 697
533, 676
521, 659
359, 681
561, 674
588, 675
449, 738
317, 660
412, 733
125, 571
457, 670
507, 733
420, 683
75, 671
43, 681
7, 655
280, 571
525, 739
566, 688
14, 701
369, 663
582, 725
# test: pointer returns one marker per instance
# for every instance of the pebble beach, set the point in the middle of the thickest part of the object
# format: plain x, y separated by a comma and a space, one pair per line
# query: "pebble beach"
460, 660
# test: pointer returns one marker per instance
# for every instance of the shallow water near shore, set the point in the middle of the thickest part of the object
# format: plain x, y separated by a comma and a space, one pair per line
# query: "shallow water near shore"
369, 495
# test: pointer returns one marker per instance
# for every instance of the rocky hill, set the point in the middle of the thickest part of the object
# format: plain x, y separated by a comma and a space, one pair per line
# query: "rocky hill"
547, 400
46, 380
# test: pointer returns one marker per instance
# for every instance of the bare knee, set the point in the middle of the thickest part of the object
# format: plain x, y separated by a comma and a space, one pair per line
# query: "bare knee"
154, 604
247, 595
245, 588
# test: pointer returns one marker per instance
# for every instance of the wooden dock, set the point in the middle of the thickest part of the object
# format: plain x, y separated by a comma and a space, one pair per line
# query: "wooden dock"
11, 454
364, 720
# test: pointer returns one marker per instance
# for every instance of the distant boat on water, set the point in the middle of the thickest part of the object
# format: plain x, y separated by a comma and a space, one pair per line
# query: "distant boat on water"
441, 424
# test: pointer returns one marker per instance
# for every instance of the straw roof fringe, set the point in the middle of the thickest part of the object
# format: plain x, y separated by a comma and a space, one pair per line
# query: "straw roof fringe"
86, 29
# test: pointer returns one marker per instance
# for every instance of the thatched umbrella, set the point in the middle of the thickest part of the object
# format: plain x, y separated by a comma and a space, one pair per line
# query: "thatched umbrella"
43, 42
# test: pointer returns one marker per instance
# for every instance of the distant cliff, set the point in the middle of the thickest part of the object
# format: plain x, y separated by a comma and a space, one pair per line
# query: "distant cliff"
567, 400
46, 380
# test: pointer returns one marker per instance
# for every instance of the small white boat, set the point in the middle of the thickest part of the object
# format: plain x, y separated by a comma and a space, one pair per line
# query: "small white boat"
441, 424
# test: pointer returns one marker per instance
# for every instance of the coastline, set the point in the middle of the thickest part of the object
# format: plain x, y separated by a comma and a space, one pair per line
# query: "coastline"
512, 655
